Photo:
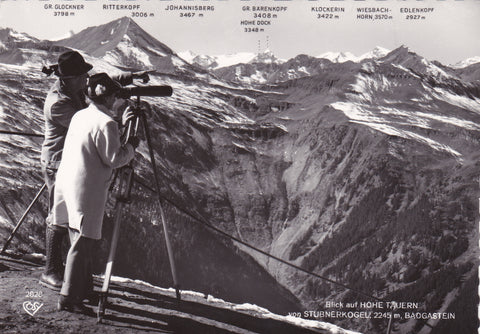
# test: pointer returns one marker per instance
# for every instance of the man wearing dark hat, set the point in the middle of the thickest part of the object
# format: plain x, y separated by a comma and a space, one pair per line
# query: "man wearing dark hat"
65, 98
92, 150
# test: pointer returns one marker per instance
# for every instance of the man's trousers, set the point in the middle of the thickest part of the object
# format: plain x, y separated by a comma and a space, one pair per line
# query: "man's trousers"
77, 281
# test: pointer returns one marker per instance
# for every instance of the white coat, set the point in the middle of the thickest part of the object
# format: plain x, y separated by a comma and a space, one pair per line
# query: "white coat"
92, 150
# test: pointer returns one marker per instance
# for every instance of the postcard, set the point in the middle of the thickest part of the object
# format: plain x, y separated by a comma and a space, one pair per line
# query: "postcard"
259, 166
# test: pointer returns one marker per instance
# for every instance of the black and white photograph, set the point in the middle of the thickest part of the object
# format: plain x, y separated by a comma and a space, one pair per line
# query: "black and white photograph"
239, 166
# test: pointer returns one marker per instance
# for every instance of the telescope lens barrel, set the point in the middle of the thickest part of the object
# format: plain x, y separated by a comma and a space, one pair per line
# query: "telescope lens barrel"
146, 91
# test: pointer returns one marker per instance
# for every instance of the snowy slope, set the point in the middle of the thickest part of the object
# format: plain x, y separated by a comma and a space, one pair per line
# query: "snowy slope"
378, 99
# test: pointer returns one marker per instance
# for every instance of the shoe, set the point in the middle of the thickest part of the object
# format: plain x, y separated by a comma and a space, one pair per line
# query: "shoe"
64, 304
51, 281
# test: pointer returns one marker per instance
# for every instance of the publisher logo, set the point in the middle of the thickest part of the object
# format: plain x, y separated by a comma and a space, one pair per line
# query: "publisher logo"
32, 308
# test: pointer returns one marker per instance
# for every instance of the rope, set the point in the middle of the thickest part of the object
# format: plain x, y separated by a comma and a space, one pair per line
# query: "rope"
204, 222
210, 226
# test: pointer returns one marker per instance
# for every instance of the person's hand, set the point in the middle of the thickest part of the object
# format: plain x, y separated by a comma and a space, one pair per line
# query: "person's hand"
143, 75
127, 115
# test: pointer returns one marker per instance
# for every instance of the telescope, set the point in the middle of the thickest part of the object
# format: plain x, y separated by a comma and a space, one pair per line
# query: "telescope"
126, 93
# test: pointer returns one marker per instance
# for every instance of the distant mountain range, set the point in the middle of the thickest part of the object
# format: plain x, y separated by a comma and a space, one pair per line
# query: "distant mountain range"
364, 171
268, 57
124, 43
265, 68
341, 57
215, 62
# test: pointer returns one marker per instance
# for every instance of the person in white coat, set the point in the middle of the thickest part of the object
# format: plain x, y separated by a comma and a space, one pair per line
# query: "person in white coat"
92, 151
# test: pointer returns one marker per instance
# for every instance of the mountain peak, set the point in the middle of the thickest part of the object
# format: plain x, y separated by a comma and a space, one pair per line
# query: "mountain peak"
402, 54
266, 57
99, 40
8, 35
467, 62
129, 24
219, 61
402, 50
342, 57
267, 52
338, 57
405, 57
123, 42
377, 52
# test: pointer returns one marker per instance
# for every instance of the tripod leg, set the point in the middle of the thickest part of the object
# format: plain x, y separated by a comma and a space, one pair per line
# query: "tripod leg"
390, 321
7, 243
164, 222
170, 253
111, 258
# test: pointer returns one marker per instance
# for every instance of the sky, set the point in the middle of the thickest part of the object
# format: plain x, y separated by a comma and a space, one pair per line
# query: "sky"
448, 34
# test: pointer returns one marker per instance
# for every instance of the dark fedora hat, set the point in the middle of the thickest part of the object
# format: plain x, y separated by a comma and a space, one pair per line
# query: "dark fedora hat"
71, 63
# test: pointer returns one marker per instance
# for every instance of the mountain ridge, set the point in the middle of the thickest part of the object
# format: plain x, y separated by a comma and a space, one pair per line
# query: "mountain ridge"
124, 43
98, 40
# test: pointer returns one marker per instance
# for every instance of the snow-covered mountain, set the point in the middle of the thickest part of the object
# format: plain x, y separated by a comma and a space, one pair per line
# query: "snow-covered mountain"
10, 36
214, 62
245, 67
338, 57
266, 57
470, 73
377, 52
363, 172
305, 66
341, 57
219, 61
123, 43
23, 49
467, 62
265, 67
274, 70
